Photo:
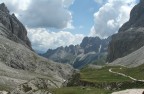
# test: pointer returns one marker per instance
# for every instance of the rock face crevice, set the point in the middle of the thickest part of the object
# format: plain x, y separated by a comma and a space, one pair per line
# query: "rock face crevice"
18, 32
130, 36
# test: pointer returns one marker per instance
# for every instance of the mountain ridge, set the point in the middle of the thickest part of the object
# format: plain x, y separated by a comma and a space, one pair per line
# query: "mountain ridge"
87, 52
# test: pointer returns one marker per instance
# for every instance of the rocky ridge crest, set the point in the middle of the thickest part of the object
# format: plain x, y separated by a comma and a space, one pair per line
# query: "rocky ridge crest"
90, 49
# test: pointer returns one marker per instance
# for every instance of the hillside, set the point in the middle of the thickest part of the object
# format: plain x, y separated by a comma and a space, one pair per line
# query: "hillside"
22, 71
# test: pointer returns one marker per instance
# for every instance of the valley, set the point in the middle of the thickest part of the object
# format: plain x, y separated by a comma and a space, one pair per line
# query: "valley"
97, 65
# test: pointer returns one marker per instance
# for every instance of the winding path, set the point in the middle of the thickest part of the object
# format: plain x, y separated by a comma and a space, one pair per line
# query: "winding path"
110, 70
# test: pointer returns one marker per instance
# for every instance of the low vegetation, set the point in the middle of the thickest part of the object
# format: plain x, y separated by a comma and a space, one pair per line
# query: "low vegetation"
101, 81
80, 90
101, 75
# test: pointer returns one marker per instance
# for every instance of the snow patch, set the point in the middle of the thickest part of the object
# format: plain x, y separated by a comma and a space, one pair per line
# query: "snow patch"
100, 48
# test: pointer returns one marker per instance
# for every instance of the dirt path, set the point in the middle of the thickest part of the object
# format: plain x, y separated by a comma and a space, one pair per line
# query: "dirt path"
128, 91
110, 70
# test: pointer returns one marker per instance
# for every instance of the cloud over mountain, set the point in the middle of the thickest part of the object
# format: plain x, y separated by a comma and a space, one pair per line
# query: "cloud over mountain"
42, 39
111, 16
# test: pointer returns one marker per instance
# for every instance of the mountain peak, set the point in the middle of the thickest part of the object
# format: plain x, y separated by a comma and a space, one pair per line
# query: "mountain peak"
130, 36
136, 17
17, 32
4, 8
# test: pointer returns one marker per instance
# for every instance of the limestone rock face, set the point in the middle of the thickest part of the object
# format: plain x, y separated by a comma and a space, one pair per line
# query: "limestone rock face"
18, 32
130, 36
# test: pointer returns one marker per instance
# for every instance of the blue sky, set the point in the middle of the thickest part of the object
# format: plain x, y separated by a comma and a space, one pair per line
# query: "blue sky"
82, 11
83, 14
54, 23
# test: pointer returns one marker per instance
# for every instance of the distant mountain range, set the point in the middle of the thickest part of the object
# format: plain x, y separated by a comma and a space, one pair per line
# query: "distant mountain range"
90, 50
22, 71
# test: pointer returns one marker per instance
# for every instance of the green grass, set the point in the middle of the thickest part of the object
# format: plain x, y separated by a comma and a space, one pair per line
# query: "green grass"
79, 90
101, 75
5, 88
137, 72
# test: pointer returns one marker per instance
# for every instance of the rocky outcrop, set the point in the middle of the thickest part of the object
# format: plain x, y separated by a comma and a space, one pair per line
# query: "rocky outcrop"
17, 32
130, 36
87, 52
34, 86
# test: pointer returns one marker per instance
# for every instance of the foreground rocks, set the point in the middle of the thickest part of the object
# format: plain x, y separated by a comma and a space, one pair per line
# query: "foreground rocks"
18, 65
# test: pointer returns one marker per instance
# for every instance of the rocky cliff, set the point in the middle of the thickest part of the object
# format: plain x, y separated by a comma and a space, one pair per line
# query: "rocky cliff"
130, 36
87, 52
17, 32
22, 71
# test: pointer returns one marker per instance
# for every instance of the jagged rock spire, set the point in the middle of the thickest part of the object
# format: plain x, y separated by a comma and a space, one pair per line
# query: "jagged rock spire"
4, 8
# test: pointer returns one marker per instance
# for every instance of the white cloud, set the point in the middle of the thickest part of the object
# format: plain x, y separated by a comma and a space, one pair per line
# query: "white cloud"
42, 39
42, 13
38, 15
111, 16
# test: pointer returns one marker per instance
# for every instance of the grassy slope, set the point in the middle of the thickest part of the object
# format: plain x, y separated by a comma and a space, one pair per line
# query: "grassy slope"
79, 90
101, 75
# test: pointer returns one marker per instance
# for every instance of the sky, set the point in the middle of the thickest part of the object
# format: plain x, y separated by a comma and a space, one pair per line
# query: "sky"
54, 23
